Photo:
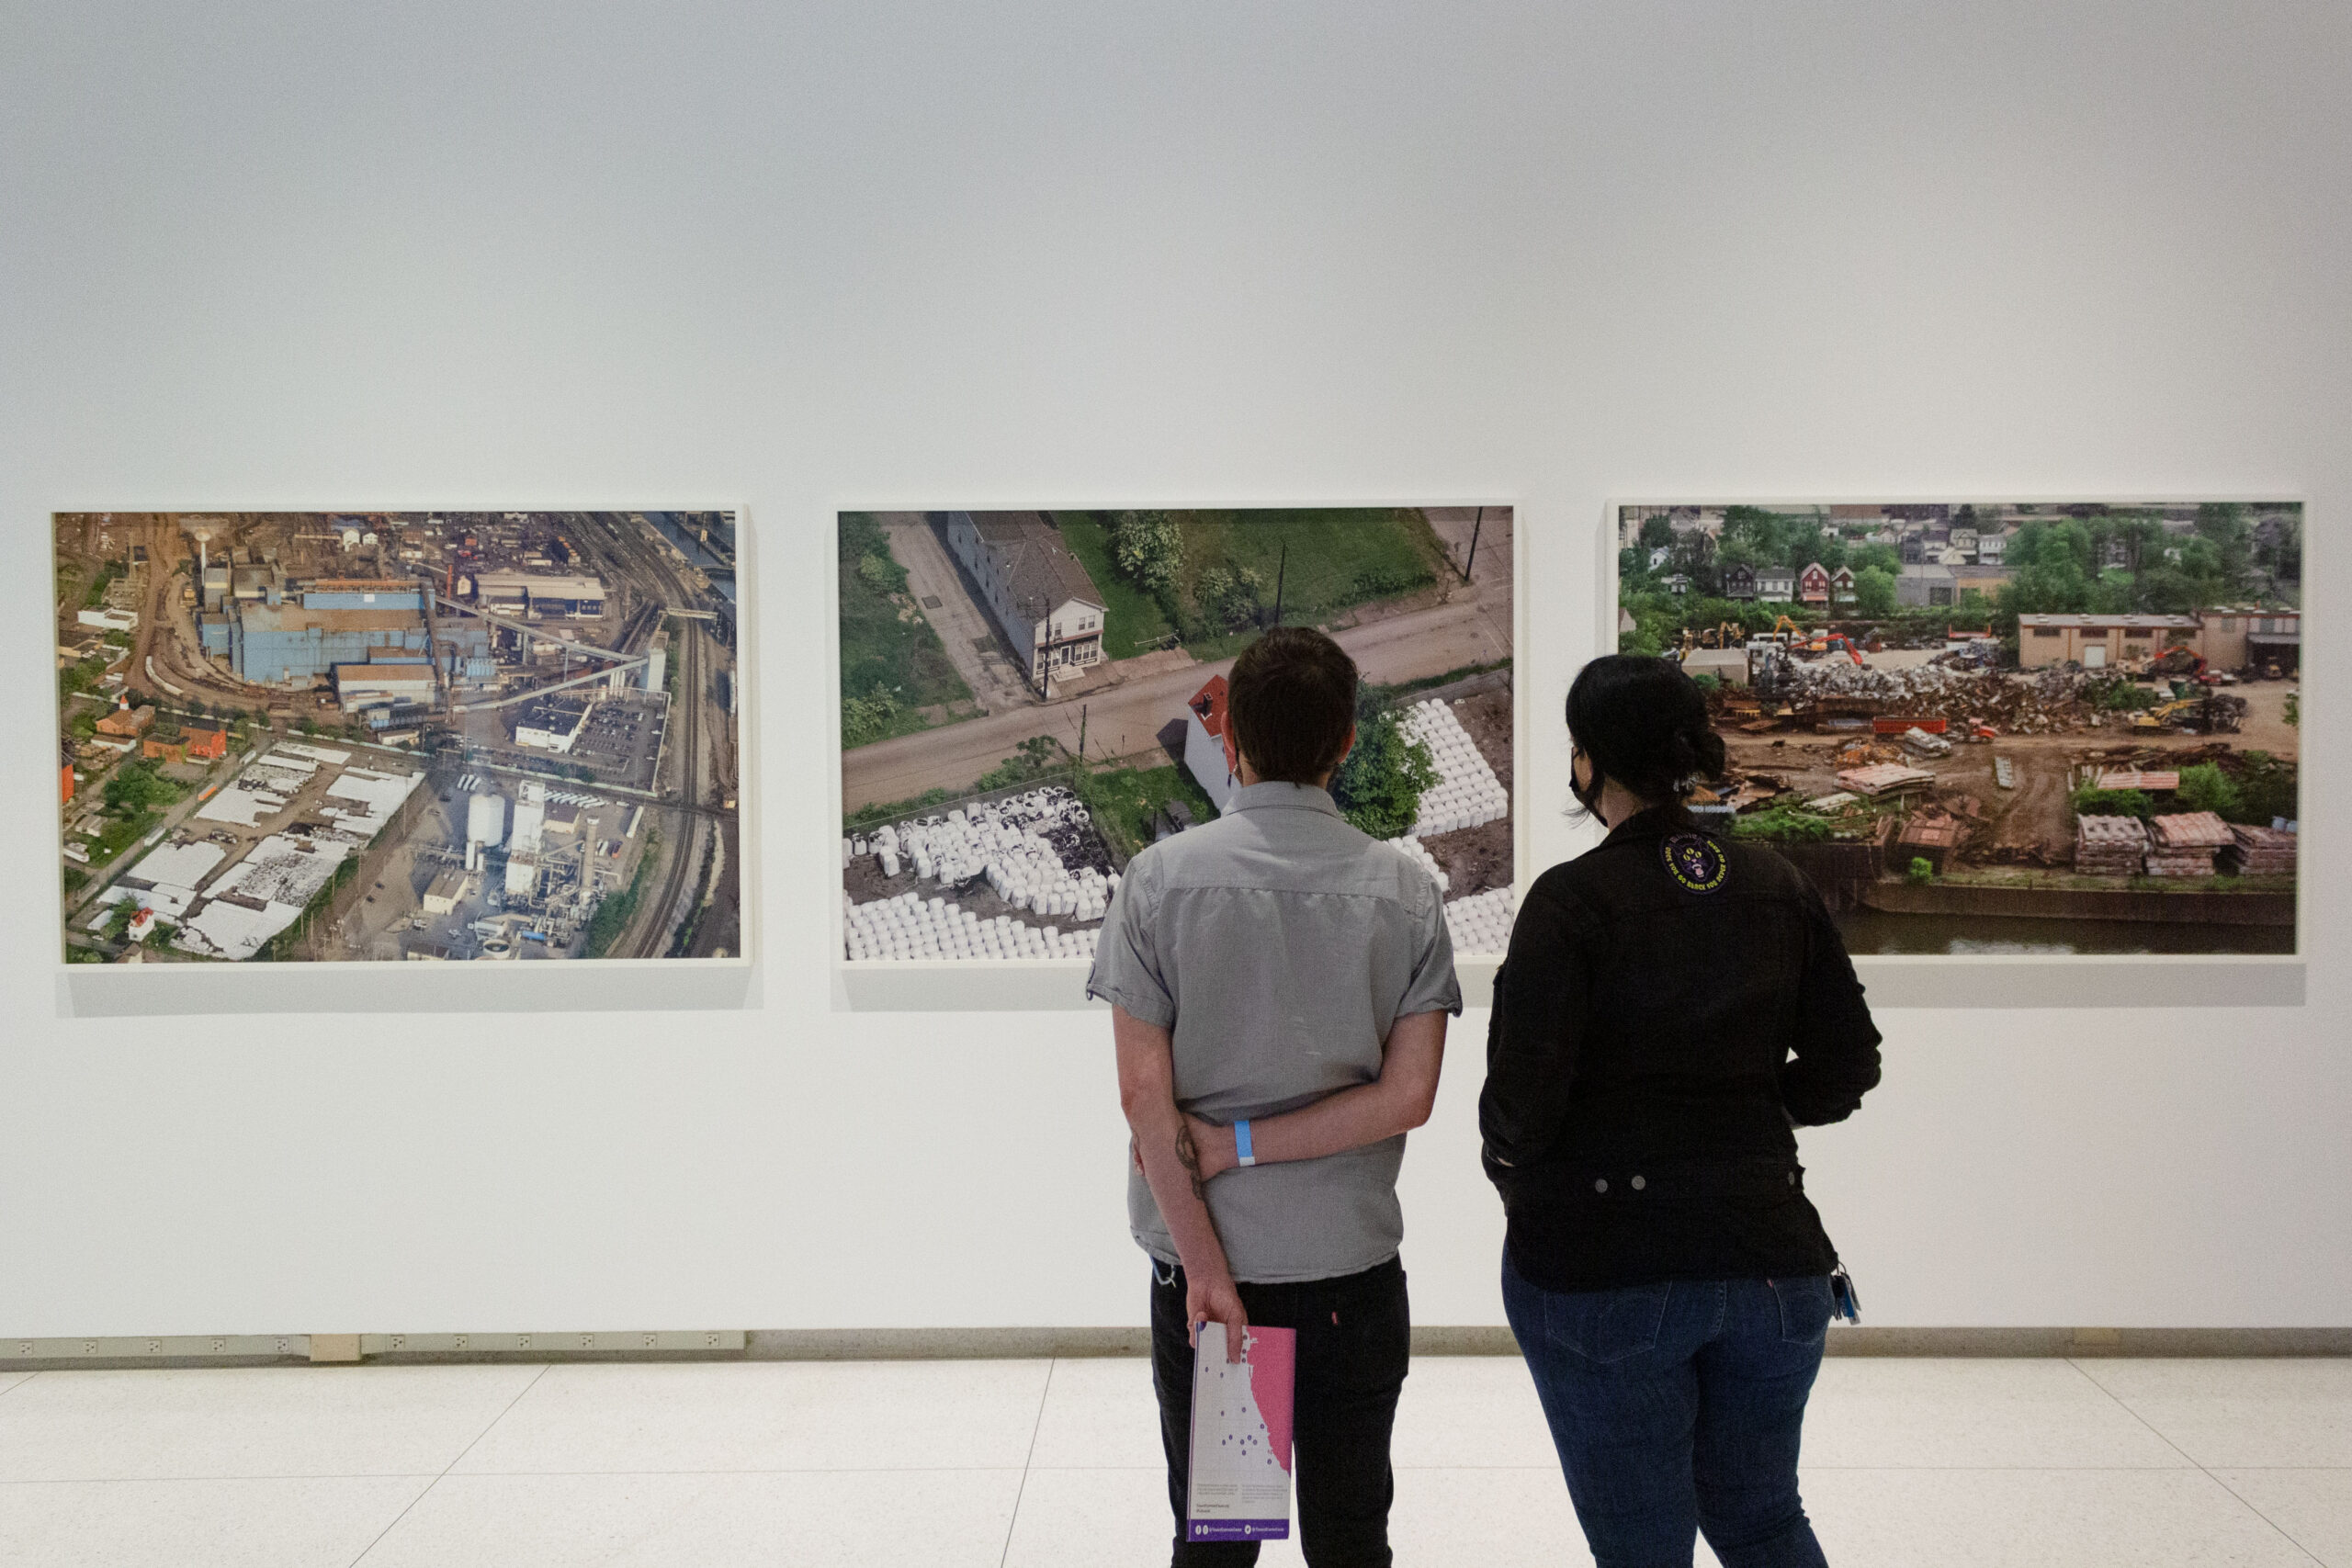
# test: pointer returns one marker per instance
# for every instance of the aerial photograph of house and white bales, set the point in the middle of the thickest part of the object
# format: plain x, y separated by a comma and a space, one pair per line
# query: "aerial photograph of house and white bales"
397, 736
1999, 727
1029, 699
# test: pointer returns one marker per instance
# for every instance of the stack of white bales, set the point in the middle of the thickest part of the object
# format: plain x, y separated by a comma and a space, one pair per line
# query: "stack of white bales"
910, 928
1467, 793
1008, 842
1480, 923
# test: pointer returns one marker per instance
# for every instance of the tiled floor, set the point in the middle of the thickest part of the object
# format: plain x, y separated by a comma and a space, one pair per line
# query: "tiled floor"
991, 1464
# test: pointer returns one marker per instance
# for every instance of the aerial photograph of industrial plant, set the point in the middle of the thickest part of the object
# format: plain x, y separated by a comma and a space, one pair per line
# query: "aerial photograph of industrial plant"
1999, 727
1029, 699
398, 736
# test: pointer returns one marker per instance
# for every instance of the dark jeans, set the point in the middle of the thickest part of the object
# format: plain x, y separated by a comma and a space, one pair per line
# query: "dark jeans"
1355, 1339
1676, 1408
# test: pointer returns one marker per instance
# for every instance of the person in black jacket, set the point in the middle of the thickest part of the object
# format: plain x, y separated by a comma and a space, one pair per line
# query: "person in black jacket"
1673, 1005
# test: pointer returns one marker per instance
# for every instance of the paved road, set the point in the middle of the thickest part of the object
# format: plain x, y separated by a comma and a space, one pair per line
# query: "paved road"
961, 621
1491, 569
1125, 720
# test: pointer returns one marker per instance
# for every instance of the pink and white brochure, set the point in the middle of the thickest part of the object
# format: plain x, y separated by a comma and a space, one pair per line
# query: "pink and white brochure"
1240, 1465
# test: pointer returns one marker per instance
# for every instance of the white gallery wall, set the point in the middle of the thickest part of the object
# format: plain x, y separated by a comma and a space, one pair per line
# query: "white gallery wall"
792, 257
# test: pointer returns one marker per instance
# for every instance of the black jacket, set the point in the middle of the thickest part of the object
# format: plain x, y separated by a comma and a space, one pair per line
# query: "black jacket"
1671, 1006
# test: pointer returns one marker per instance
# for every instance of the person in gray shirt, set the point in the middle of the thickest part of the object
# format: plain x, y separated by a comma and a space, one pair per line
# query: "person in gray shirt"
1280, 984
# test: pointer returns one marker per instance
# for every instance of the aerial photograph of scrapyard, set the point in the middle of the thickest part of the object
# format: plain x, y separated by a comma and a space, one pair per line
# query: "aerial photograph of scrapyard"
1999, 727
397, 736
1029, 699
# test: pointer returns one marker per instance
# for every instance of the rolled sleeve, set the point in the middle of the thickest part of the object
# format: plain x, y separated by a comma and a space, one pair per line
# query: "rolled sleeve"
1127, 959
1433, 988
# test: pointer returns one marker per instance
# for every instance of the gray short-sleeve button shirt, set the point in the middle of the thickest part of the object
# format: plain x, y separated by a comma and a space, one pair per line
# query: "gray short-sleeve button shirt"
1278, 945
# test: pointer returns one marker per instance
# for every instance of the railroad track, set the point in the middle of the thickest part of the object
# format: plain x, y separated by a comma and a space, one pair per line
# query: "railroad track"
687, 734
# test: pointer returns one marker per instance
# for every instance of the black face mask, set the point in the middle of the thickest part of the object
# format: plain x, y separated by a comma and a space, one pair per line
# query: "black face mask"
1588, 796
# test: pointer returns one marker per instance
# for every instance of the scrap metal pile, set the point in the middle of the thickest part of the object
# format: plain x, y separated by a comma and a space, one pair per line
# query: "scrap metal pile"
2015, 703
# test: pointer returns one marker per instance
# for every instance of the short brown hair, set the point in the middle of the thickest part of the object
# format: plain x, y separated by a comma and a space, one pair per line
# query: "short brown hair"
1291, 699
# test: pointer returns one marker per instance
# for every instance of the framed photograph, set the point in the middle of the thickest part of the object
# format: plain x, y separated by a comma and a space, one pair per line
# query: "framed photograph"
1031, 698
368, 738
1998, 729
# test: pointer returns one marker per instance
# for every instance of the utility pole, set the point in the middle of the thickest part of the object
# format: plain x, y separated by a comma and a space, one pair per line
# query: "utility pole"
1476, 524
1081, 733
1282, 569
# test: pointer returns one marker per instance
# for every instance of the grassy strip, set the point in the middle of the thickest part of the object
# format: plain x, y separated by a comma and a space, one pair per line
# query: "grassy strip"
613, 915
1323, 560
887, 644
1133, 619
1124, 800
1391, 695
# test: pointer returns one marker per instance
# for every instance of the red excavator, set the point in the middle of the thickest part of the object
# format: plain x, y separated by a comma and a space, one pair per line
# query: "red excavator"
1834, 642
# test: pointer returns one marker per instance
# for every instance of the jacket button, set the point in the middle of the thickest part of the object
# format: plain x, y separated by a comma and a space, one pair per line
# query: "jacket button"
1793, 1178
1600, 1184
1639, 1184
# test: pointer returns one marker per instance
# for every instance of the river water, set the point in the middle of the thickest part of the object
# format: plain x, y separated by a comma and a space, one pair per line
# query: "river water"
1875, 930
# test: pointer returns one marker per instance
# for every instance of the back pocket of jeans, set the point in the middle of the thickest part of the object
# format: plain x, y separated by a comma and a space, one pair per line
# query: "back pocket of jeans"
1804, 1308
1606, 1326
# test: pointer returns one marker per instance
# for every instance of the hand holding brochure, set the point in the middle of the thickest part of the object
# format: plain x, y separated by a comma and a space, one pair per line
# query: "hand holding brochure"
1241, 1428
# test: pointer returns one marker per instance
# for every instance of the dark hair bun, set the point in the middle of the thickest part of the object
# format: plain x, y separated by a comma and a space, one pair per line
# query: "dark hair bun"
1644, 724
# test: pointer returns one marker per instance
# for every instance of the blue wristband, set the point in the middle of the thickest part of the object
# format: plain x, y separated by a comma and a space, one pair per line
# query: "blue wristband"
1242, 1143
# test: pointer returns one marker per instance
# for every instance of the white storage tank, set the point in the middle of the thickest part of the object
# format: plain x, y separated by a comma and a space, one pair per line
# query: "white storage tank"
486, 820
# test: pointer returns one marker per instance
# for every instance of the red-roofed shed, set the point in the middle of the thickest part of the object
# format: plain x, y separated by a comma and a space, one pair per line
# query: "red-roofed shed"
1210, 754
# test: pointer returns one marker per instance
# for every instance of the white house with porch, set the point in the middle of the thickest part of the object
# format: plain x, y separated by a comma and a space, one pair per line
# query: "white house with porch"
1040, 593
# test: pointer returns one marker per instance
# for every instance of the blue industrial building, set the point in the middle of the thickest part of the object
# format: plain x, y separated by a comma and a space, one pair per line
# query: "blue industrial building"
301, 637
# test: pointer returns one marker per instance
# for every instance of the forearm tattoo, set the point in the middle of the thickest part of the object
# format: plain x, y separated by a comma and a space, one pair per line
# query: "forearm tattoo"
1190, 1158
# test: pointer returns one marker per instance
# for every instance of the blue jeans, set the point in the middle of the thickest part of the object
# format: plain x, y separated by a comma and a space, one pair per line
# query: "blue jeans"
1676, 1408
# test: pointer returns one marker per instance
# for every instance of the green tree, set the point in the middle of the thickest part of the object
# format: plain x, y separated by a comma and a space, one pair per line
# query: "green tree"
1229, 595
1148, 546
2090, 801
118, 919
1656, 531
1032, 759
2205, 787
864, 718
2266, 789
1379, 786
2222, 525
137, 788
1874, 591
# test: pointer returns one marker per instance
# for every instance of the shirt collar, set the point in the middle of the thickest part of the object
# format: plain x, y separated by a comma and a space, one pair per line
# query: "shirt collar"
1281, 795
1655, 823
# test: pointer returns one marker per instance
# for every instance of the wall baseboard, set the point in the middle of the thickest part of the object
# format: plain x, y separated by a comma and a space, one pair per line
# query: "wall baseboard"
1033, 1344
